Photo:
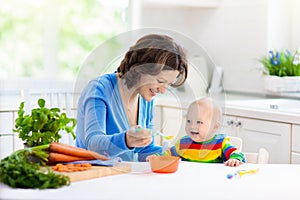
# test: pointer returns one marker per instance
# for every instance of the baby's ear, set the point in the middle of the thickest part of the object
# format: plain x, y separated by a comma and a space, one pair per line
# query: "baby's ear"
216, 127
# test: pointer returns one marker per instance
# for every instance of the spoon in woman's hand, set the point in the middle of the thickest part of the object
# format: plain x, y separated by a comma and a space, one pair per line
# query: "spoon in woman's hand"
167, 137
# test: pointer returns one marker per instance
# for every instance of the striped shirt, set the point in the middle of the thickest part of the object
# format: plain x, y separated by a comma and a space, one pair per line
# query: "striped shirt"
216, 150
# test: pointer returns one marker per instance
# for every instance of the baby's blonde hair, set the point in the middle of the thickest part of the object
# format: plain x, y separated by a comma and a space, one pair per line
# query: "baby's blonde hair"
209, 103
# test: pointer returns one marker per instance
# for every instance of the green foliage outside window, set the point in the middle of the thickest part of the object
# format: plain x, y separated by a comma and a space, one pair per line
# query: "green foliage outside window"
81, 25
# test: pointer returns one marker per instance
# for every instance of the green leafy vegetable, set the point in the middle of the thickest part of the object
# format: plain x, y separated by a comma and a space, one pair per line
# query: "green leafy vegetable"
18, 172
43, 125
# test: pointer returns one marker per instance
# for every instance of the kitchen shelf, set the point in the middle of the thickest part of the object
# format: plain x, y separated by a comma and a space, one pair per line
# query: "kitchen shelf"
184, 3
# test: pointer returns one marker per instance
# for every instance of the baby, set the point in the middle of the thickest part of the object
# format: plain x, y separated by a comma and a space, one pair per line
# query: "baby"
202, 143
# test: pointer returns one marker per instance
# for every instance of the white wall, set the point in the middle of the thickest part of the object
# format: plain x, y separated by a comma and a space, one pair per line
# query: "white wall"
295, 24
235, 34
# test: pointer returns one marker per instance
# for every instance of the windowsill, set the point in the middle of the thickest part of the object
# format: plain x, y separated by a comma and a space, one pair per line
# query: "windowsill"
185, 3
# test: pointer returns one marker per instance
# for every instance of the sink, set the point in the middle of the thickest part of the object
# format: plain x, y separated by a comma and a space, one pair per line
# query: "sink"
284, 105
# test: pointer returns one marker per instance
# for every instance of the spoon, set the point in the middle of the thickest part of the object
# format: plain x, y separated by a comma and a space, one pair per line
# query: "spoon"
240, 173
167, 137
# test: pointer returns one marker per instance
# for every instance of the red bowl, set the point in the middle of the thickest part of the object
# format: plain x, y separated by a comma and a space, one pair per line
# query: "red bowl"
164, 164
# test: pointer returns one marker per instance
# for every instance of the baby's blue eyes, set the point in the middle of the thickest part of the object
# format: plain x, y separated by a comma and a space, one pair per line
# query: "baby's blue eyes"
198, 122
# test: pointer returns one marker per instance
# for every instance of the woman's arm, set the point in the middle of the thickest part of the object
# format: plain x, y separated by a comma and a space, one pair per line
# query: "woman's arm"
96, 138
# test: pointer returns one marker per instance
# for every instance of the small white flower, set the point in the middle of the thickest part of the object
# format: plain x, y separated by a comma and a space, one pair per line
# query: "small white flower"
296, 59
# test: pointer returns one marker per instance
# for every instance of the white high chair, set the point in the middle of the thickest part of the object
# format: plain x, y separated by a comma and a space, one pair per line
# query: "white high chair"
260, 157
237, 142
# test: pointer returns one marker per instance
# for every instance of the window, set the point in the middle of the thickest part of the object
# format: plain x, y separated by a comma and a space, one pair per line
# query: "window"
51, 38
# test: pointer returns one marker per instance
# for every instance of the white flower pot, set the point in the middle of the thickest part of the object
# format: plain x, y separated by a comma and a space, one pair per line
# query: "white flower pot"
282, 84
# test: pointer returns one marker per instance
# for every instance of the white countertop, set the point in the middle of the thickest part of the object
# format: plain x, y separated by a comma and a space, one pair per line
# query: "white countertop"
257, 113
191, 181
286, 110
274, 109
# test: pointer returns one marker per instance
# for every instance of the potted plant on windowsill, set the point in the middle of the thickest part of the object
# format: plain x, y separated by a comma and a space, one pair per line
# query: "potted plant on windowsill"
43, 125
281, 71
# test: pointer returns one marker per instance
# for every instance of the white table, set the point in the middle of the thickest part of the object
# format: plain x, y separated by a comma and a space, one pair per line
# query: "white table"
191, 181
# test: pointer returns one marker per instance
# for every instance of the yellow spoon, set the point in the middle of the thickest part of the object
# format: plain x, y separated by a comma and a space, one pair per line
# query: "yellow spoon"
240, 173
167, 137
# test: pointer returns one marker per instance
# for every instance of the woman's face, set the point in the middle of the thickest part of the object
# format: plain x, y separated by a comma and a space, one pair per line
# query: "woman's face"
149, 85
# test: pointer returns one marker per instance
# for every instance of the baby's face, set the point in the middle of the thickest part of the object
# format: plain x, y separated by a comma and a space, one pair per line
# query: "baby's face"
199, 124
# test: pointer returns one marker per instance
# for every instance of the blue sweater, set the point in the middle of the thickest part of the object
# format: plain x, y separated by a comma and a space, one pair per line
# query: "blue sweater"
102, 121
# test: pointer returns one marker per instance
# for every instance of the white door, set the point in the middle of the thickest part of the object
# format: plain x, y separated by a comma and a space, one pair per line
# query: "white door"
295, 144
229, 125
275, 137
173, 122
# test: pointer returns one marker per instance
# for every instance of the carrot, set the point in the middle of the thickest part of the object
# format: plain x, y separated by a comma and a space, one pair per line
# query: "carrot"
59, 158
77, 152
71, 167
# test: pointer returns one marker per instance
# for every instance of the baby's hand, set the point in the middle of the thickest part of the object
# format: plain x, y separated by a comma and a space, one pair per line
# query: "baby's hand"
233, 162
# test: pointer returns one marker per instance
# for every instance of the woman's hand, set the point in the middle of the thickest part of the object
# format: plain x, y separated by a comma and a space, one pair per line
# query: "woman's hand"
233, 162
138, 137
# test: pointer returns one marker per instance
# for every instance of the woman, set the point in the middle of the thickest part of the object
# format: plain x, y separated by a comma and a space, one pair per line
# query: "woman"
113, 106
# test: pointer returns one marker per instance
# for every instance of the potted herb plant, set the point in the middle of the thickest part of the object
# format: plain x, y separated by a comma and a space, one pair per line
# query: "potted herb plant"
281, 71
43, 125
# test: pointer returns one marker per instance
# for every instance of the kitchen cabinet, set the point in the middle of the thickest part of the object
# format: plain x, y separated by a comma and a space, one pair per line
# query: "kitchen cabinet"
257, 133
295, 144
295, 158
170, 121
255, 123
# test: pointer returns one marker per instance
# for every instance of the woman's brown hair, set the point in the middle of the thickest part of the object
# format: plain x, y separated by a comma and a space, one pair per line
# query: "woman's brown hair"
150, 55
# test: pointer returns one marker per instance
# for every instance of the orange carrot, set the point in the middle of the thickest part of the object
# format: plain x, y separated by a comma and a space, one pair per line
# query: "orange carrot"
76, 152
71, 167
59, 158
